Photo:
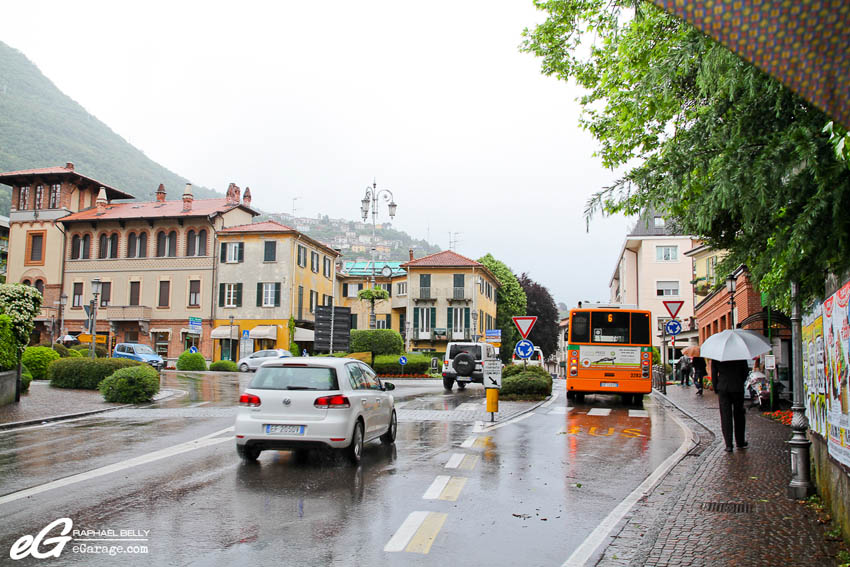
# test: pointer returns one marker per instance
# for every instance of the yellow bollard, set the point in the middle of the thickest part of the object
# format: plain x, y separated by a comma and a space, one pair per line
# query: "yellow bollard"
492, 400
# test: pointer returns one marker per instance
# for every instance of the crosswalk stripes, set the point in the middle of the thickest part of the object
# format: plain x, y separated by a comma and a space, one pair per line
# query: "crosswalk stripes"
600, 411
561, 410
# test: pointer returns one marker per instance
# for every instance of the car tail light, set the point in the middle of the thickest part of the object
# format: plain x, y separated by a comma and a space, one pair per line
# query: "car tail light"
332, 402
249, 400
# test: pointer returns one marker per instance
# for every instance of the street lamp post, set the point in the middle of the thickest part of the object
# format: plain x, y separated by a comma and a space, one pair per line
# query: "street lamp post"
63, 301
371, 199
730, 287
95, 290
800, 486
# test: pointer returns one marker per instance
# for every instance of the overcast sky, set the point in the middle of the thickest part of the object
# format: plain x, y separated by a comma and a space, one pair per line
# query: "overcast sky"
315, 99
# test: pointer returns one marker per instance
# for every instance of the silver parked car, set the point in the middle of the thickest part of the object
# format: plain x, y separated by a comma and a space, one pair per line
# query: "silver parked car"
305, 403
253, 361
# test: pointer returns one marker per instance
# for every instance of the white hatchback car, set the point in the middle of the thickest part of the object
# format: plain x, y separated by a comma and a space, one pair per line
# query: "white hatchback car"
305, 403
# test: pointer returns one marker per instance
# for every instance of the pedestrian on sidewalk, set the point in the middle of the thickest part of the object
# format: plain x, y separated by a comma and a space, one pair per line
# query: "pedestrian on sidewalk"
699, 373
686, 370
729, 378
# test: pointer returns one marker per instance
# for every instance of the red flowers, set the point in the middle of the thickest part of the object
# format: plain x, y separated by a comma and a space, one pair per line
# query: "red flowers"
782, 416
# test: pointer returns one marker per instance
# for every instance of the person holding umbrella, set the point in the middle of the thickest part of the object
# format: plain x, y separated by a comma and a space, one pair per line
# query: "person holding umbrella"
698, 365
731, 349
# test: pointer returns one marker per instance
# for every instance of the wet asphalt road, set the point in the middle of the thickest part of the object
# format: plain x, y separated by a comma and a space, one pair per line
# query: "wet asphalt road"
525, 493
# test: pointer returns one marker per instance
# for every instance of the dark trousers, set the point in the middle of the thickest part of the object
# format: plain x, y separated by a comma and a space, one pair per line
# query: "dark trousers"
732, 417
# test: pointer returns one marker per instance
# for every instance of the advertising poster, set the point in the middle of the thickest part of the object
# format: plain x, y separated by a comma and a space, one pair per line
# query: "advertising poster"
814, 370
607, 356
836, 334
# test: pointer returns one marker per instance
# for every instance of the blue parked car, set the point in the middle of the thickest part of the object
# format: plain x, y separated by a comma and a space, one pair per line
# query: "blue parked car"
140, 352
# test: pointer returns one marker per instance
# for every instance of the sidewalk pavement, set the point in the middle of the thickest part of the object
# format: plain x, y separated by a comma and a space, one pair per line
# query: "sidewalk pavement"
45, 403
717, 508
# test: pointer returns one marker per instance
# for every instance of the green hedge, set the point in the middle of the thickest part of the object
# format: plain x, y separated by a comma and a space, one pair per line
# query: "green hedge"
74, 353
99, 351
527, 384
514, 369
224, 366
130, 385
37, 359
26, 378
8, 344
416, 364
376, 341
191, 361
84, 373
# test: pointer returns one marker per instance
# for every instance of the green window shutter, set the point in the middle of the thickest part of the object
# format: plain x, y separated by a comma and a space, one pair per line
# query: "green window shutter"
415, 318
449, 321
389, 321
221, 293
300, 302
241, 252
390, 289
223, 256
277, 294
360, 287
259, 294
466, 318
345, 290
433, 318
239, 295
354, 321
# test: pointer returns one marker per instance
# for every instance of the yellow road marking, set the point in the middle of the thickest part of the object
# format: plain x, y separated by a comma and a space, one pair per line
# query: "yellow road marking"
482, 442
468, 463
427, 533
452, 490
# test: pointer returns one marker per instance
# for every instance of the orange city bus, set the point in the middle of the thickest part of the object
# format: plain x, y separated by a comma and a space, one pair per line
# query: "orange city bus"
610, 351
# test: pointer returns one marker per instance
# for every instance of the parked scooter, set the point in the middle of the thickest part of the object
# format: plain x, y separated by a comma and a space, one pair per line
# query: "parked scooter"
758, 388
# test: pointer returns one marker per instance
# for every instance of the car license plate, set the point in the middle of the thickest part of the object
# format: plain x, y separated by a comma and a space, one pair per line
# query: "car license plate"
292, 429
608, 384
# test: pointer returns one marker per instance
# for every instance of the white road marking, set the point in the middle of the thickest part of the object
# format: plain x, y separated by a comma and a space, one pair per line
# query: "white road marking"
454, 460
589, 546
638, 413
561, 410
205, 441
469, 406
509, 422
402, 536
600, 411
436, 487
469, 441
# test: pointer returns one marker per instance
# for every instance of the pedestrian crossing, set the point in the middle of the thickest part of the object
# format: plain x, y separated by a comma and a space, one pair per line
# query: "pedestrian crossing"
597, 412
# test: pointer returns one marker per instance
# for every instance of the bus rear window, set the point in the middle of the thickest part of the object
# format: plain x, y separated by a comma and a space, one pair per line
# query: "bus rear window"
610, 327
580, 328
640, 329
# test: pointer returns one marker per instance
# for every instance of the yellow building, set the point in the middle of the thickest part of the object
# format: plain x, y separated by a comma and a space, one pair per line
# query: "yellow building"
705, 260
390, 313
449, 298
268, 274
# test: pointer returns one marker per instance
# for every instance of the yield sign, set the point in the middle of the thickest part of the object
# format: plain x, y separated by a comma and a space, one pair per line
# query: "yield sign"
673, 307
524, 324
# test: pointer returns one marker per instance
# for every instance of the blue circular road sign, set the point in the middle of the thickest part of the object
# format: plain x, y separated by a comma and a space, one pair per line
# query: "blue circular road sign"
524, 349
193, 349
402, 360
673, 327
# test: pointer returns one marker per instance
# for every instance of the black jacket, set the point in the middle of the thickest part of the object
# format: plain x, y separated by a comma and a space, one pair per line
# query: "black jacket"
699, 366
729, 376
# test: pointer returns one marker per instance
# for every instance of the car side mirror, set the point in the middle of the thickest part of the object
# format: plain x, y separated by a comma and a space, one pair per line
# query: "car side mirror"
388, 386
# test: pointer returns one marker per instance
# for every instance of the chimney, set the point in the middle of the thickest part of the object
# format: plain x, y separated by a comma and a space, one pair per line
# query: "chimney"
411, 254
232, 194
69, 165
246, 197
101, 201
187, 198
160, 193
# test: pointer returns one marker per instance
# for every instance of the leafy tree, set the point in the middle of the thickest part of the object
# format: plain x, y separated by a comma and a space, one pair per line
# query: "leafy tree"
372, 296
510, 302
718, 147
540, 303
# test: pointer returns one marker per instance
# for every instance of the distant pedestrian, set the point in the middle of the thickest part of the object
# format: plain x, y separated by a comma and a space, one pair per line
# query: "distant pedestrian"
699, 373
685, 363
729, 378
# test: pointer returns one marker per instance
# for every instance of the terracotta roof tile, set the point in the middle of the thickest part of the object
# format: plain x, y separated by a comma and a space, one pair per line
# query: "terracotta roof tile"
265, 226
154, 209
446, 258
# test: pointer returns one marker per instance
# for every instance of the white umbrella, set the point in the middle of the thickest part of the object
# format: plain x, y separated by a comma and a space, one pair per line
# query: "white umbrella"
734, 344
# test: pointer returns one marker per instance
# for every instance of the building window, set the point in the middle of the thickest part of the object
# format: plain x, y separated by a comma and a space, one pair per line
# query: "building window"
164, 293
137, 245
132, 242
108, 246
327, 267
39, 285
302, 256
196, 243
401, 288
666, 288
160, 244
105, 293
131, 336
172, 244
271, 294
659, 222
39, 195
350, 290
35, 248
231, 295
166, 245
666, 253
194, 293
135, 292
327, 300
77, 296
190, 243
425, 286
232, 252
314, 300
55, 190
269, 251
314, 262
24, 198
424, 317
380, 323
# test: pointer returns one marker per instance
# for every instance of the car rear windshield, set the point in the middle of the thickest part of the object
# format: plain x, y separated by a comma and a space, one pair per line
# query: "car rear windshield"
474, 350
294, 378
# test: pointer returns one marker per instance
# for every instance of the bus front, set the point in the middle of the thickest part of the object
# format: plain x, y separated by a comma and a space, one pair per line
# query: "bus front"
610, 351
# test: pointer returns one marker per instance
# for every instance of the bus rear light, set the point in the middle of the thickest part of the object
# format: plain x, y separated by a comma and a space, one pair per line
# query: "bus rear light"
573, 371
249, 400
